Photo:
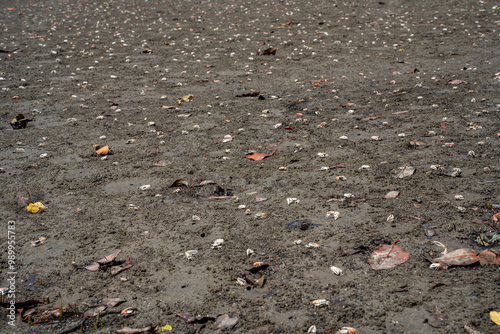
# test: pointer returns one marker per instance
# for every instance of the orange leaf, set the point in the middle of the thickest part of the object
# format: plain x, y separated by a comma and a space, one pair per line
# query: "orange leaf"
259, 156
387, 257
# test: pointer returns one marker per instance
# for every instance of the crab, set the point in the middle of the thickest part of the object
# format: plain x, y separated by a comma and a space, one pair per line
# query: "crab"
218, 243
320, 302
189, 254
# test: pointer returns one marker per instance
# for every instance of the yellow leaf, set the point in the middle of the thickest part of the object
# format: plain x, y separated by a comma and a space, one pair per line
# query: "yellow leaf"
186, 98
495, 317
35, 207
166, 328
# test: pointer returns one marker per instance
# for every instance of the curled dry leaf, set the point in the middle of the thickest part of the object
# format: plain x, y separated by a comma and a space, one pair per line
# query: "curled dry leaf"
121, 267
387, 257
489, 257
403, 171
268, 52
459, 257
101, 150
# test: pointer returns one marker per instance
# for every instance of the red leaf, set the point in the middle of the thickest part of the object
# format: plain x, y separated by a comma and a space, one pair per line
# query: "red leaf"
443, 125
387, 257
459, 257
259, 156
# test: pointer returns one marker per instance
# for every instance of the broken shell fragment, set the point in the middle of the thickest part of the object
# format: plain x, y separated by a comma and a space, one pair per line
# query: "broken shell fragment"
145, 187
240, 281
312, 245
292, 200
250, 252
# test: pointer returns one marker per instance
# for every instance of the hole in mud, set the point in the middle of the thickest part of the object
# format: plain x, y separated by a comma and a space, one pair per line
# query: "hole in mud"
202, 235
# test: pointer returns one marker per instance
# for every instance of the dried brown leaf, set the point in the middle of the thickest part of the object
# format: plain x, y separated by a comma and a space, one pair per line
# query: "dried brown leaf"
387, 257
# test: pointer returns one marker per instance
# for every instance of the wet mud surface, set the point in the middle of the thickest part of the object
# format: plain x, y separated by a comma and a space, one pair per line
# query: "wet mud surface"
355, 91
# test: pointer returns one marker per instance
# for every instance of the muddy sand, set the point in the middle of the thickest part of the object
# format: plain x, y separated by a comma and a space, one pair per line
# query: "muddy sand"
336, 95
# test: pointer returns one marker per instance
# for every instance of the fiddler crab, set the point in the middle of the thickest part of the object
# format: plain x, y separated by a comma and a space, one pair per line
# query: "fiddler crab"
189, 254
218, 244
320, 302
337, 271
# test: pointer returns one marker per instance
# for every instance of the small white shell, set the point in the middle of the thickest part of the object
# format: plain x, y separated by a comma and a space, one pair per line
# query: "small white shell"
459, 197
312, 245
195, 217
297, 242
145, 187
365, 167
322, 155
390, 219
337, 271
292, 200
312, 329
240, 281
250, 252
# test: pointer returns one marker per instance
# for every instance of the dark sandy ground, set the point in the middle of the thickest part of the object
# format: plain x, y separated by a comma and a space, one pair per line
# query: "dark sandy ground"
99, 72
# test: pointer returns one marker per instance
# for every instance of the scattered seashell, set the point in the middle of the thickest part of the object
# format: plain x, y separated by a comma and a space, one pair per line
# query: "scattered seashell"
250, 252
240, 281
313, 245
297, 242
292, 200
145, 187
390, 219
